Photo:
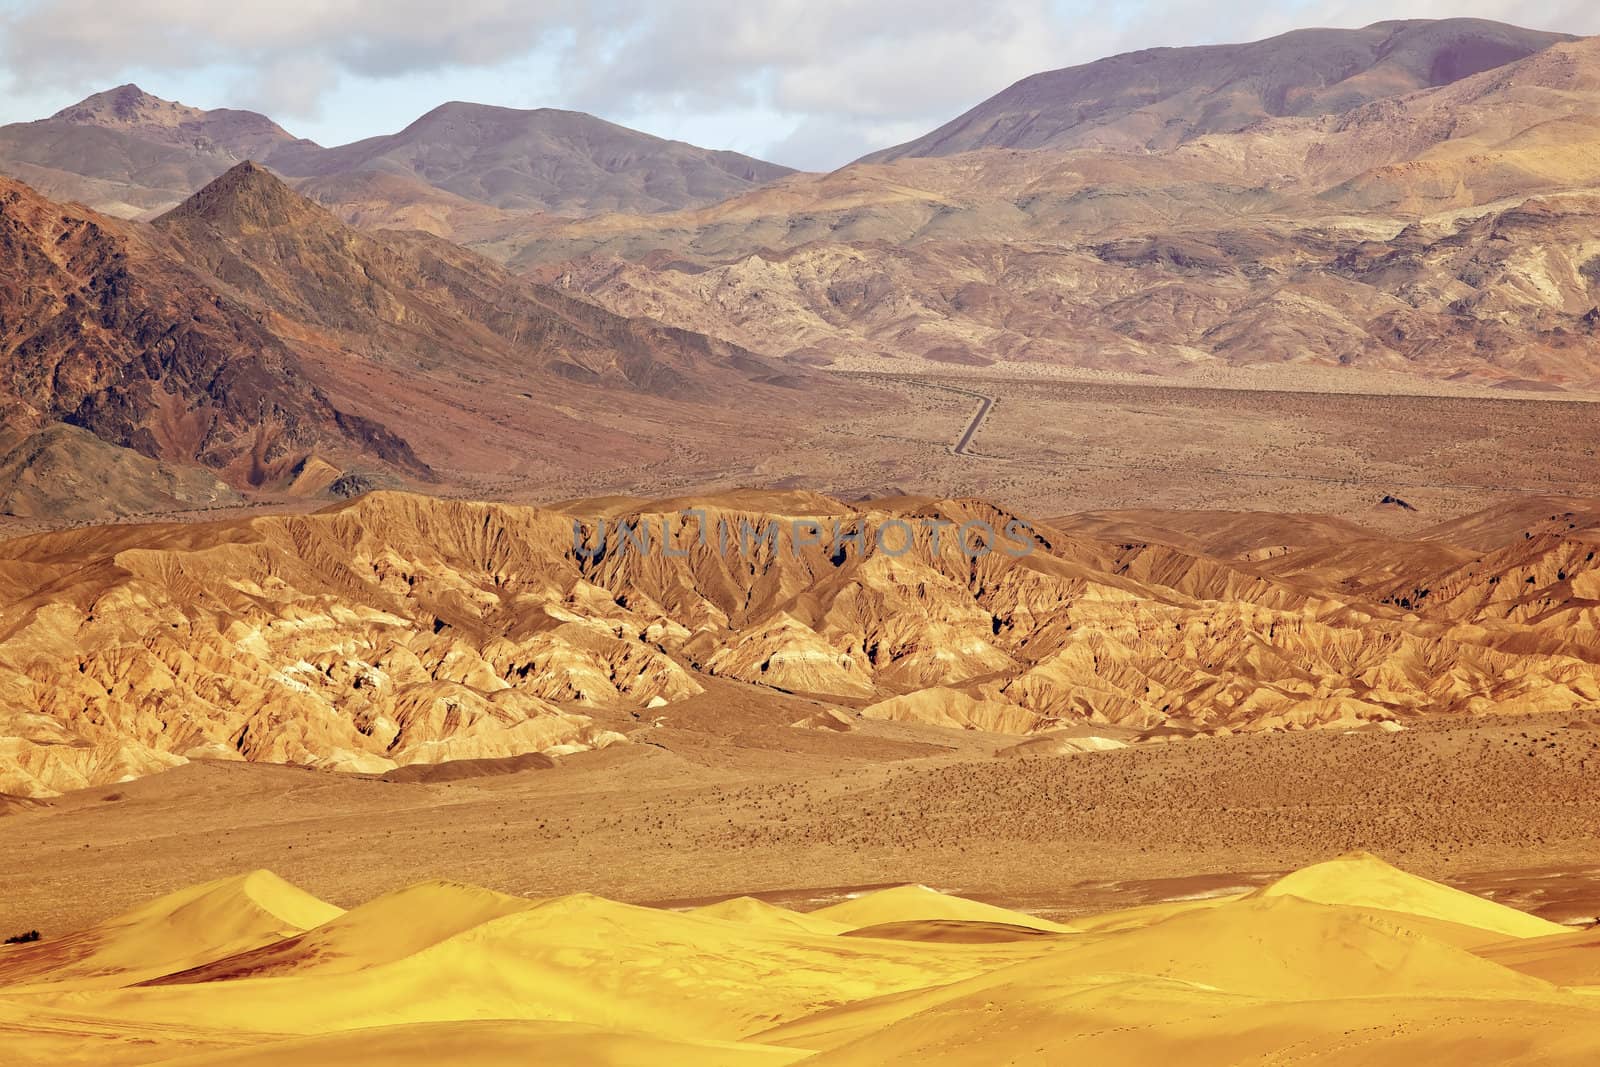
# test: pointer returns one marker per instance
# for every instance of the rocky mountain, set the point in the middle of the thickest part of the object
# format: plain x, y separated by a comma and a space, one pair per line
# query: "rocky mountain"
484, 369
400, 629
251, 331
102, 326
1256, 246
392, 293
1159, 98
128, 109
1506, 297
127, 153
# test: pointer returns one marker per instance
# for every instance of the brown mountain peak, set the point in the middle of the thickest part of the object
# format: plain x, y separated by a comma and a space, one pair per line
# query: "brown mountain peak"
126, 107
244, 198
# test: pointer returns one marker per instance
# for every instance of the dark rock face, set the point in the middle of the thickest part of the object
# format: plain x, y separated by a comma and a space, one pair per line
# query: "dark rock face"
100, 329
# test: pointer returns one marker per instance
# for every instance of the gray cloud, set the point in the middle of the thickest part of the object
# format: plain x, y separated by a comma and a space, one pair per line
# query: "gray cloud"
60, 40
835, 76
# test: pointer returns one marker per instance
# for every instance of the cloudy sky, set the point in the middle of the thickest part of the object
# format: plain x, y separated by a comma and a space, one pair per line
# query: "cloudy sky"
811, 83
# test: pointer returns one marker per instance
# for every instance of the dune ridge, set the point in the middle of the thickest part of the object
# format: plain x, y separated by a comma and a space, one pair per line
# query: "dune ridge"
448, 970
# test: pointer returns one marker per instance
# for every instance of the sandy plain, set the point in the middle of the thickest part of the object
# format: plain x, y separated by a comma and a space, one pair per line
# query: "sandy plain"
1109, 905
725, 798
1058, 442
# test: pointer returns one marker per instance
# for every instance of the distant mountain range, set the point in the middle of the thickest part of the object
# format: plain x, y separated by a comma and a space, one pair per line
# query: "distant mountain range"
127, 153
1160, 98
1421, 199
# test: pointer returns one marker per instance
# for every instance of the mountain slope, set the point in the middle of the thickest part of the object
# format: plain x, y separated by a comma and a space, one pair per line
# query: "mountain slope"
1401, 235
251, 331
1161, 97
410, 293
64, 473
545, 159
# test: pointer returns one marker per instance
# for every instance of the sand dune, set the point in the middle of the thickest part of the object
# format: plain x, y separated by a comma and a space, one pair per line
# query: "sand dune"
495, 1043
1570, 959
915, 903
1364, 881
1349, 961
189, 928
766, 916
392, 927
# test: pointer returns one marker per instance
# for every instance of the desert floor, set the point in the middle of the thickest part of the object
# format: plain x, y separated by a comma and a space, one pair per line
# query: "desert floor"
724, 797
1054, 444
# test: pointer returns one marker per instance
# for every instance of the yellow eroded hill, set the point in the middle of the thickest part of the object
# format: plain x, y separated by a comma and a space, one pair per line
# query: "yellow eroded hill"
399, 630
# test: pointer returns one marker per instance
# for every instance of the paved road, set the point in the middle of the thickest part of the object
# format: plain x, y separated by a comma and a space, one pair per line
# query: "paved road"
986, 403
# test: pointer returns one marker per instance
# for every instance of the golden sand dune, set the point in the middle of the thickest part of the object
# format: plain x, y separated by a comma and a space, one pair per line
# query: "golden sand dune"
759, 913
56, 1039
951, 931
189, 928
497, 1043
1148, 1021
1143, 915
918, 903
584, 960
1570, 959
1362, 880
390, 928
1367, 974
